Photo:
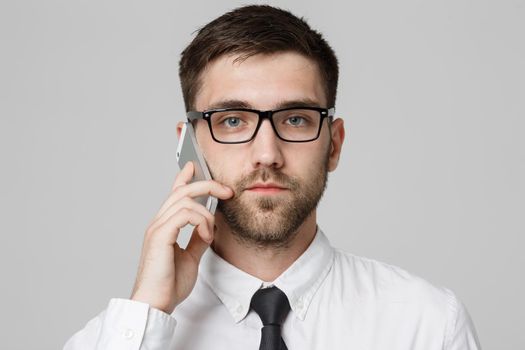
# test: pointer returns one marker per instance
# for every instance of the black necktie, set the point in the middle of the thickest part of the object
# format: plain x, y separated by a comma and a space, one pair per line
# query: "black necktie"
272, 306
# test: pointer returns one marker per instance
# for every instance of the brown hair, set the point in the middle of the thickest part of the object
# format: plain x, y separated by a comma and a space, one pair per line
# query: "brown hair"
252, 30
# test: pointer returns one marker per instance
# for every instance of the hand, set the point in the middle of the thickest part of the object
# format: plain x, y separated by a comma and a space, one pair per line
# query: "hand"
167, 273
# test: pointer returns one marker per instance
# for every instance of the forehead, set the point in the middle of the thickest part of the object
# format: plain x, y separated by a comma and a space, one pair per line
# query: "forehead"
261, 81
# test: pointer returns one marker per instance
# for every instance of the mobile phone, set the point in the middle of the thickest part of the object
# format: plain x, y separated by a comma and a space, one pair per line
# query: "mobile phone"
188, 150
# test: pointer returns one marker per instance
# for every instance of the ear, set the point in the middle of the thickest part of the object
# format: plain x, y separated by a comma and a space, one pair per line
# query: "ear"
179, 128
338, 136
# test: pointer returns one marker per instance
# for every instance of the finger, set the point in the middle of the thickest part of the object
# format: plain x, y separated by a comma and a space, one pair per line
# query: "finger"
184, 176
197, 246
186, 203
195, 189
168, 232
203, 188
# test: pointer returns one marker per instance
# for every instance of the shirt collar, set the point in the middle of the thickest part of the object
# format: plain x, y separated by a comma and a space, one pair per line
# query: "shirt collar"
299, 282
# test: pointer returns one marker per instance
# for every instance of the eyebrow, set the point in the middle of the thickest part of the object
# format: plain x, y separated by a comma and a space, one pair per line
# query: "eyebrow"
306, 102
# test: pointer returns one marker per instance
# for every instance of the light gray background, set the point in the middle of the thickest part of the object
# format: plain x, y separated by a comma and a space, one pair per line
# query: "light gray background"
431, 176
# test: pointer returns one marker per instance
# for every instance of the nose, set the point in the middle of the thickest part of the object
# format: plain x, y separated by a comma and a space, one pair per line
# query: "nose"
266, 148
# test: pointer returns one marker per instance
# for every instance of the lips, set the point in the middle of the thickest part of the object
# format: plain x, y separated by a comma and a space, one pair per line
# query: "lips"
266, 186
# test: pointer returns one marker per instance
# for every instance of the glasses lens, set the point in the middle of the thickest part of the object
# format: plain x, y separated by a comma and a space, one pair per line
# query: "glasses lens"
233, 126
297, 124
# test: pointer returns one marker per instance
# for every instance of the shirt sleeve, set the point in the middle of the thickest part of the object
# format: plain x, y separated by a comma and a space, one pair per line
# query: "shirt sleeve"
461, 333
125, 325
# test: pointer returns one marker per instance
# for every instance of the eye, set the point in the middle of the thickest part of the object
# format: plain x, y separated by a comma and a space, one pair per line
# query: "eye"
232, 122
296, 121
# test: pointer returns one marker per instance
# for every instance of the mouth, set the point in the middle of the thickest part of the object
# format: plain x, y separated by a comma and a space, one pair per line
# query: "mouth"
266, 188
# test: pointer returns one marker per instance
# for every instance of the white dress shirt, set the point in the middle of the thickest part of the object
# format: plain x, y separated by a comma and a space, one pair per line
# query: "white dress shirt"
338, 301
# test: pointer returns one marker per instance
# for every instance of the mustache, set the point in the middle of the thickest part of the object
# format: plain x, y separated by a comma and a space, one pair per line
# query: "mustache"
267, 175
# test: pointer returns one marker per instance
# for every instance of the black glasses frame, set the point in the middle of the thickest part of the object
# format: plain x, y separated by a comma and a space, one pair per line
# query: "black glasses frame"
206, 115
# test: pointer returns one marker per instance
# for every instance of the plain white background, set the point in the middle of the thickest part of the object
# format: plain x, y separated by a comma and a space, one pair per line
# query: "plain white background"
431, 177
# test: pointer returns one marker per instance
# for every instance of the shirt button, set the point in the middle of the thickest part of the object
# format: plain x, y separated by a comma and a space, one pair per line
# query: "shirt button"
300, 304
128, 334
240, 309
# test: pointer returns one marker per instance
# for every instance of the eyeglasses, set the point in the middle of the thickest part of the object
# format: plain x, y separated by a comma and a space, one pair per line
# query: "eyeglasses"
239, 125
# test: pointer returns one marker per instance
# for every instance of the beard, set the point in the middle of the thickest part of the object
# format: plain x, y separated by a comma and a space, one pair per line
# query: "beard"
272, 220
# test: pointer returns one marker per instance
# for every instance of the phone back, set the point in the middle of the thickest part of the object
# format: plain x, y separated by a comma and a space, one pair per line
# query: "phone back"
188, 150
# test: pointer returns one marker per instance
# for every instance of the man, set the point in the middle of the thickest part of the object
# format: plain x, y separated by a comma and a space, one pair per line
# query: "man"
271, 280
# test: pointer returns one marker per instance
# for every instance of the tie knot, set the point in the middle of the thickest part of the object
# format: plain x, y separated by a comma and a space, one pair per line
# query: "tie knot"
271, 304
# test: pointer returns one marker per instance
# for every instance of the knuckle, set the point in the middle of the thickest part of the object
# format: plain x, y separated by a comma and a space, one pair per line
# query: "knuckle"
203, 229
210, 217
150, 231
176, 189
200, 219
185, 201
185, 211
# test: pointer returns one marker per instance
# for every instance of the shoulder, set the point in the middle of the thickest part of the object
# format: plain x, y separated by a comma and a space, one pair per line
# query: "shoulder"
396, 294
368, 278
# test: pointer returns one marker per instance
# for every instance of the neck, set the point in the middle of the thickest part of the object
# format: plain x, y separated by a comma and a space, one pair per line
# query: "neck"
265, 263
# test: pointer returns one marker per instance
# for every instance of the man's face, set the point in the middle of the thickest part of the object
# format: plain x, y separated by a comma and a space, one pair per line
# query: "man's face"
277, 184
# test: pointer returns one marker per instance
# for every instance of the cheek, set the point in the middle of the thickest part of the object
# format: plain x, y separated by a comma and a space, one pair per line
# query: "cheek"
307, 159
225, 165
